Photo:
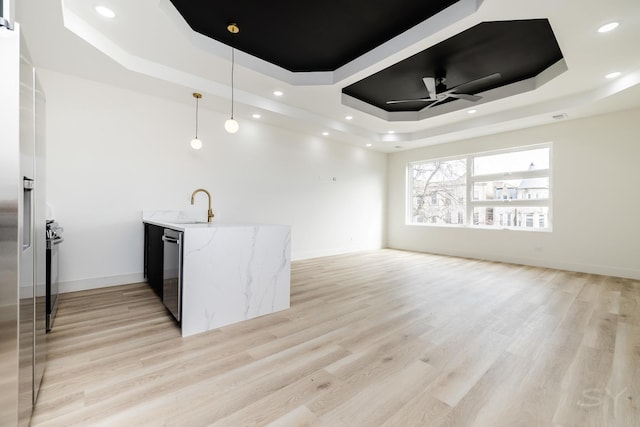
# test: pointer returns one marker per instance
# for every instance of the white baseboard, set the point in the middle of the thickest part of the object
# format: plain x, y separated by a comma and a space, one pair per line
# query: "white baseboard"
299, 256
604, 270
99, 282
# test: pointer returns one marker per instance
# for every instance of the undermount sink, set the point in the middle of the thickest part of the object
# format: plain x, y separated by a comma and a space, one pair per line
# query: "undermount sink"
187, 221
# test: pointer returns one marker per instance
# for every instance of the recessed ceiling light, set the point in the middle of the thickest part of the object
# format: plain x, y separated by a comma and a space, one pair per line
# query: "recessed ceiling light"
105, 11
608, 27
256, 116
278, 93
325, 133
348, 117
369, 145
472, 111
391, 132
613, 75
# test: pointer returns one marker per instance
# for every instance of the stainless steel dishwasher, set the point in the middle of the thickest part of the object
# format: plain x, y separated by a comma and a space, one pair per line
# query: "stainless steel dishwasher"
172, 272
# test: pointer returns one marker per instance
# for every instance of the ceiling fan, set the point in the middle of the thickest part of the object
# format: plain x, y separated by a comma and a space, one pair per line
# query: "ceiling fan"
439, 93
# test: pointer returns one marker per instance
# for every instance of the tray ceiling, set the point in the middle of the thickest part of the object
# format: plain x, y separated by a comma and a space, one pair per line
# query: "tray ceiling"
516, 50
303, 36
149, 47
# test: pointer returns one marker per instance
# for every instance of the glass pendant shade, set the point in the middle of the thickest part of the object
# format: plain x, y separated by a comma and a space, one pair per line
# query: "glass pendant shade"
231, 125
196, 144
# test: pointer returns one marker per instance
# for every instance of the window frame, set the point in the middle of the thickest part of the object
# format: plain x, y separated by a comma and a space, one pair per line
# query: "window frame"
409, 189
472, 179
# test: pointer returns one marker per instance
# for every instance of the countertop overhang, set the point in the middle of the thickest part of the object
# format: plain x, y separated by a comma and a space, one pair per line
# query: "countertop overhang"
182, 226
181, 221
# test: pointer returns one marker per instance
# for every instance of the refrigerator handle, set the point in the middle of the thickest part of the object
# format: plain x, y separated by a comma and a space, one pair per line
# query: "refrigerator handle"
27, 212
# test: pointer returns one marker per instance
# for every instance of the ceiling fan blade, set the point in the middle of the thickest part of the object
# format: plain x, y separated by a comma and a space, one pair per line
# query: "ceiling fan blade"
466, 96
433, 104
472, 83
400, 101
430, 83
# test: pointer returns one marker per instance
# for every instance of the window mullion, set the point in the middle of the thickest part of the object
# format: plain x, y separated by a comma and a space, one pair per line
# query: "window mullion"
506, 203
538, 173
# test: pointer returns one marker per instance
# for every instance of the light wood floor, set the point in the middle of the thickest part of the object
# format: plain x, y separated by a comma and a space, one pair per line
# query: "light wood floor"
382, 338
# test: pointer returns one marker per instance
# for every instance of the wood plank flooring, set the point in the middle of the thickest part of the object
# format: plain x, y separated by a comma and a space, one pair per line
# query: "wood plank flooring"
380, 338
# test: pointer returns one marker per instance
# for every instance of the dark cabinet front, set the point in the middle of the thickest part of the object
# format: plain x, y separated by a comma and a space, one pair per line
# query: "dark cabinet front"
154, 257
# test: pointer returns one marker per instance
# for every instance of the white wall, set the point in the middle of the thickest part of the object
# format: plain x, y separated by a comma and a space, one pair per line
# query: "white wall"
596, 200
112, 153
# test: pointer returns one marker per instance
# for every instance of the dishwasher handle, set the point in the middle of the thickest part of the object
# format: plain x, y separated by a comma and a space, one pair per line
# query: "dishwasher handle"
169, 239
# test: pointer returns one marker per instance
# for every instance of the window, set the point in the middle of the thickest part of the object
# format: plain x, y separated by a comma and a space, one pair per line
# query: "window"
506, 189
438, 192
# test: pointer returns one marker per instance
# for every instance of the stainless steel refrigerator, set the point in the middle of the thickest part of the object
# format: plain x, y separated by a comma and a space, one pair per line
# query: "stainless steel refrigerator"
22, 227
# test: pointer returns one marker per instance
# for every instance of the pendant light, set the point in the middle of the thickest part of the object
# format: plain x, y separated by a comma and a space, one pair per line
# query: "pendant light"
196, 144
231, 125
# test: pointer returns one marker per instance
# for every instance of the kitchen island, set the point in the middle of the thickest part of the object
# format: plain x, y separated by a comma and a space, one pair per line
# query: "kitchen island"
230, 272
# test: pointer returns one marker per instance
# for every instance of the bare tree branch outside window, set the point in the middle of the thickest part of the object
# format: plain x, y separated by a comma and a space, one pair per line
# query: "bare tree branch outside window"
439, 191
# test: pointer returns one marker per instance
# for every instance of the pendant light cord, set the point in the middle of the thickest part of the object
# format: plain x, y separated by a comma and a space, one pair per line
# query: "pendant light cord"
232, 67
197, 99
231, 125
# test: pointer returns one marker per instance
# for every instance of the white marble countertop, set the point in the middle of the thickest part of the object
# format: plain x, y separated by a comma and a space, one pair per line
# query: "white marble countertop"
182, 226
231, 271
181, 220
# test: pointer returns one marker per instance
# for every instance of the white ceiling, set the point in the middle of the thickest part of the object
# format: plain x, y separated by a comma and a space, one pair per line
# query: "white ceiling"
149, 48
